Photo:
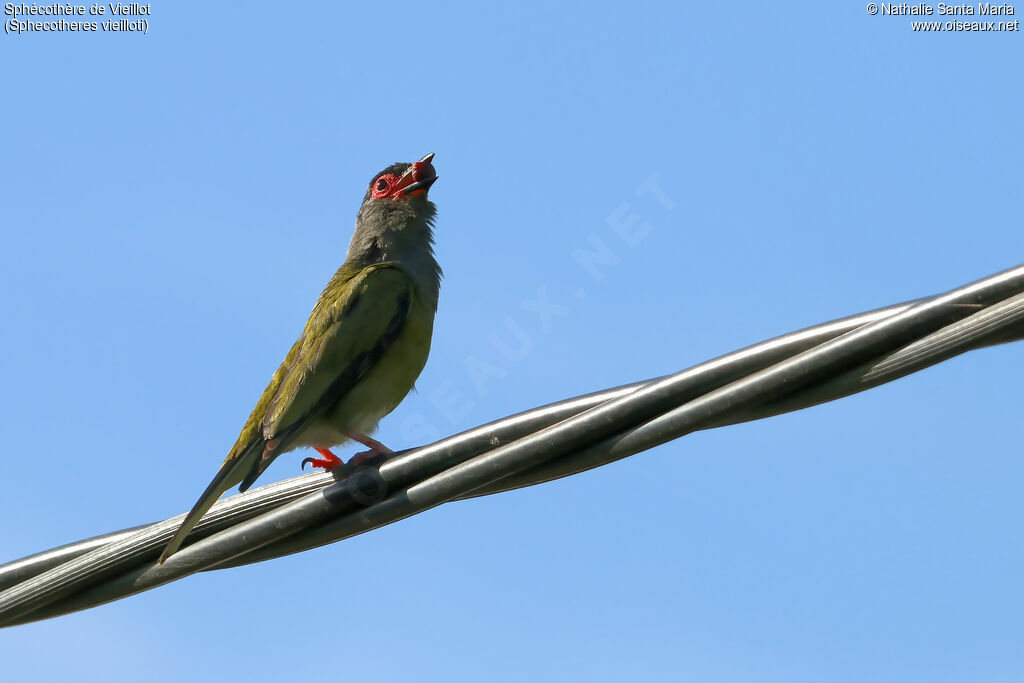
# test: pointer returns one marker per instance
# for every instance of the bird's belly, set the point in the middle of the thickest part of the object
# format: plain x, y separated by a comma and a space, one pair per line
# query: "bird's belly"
381, 389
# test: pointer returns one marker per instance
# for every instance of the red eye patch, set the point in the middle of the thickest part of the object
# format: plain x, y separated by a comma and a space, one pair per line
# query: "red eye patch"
383, 185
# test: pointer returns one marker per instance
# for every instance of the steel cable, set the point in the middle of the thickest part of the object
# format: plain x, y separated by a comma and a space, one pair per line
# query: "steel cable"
787, 373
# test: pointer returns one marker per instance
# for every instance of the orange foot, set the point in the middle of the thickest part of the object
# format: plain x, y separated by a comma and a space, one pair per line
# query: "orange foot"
329, 461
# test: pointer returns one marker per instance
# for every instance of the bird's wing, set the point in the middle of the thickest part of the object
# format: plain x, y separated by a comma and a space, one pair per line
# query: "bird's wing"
358, 317
345, 337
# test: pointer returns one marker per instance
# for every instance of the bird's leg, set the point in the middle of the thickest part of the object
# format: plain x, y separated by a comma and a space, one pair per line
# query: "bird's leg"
374, 445
329, 461
376, 448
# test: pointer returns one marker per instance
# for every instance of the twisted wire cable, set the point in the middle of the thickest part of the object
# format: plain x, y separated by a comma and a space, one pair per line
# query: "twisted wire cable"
783, 374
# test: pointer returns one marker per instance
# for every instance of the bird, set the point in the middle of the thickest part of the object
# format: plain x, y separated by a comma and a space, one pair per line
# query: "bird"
360, 352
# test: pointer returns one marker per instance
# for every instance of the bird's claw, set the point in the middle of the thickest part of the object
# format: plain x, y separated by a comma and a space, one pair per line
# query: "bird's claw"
328, 462
331, 461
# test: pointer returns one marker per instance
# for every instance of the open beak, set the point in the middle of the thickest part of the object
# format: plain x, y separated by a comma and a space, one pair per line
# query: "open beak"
418, 179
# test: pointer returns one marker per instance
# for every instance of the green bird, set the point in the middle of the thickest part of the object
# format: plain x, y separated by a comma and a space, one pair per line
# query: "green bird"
362, 348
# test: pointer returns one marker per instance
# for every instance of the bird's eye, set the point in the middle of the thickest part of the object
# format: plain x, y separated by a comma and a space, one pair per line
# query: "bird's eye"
382, 185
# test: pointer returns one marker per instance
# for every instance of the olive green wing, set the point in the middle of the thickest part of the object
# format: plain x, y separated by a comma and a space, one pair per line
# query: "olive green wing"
244, 457
358, 317
251, 439
350, 329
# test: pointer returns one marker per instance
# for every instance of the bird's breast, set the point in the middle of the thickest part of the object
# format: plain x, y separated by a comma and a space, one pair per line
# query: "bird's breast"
382, 388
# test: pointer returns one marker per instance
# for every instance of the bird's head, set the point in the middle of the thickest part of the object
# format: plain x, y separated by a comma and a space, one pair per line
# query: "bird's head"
403, 182
397, 196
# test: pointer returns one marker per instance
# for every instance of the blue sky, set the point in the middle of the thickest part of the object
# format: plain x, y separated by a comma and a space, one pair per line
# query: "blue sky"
174, 202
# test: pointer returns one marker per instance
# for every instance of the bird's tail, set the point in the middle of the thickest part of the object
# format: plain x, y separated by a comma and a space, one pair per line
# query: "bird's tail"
232, 472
